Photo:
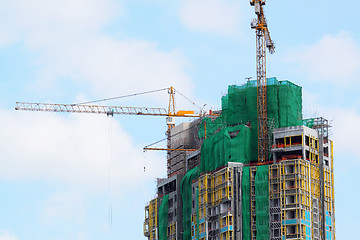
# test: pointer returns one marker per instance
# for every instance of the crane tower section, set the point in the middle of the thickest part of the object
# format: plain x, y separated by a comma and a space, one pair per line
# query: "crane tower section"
263, 41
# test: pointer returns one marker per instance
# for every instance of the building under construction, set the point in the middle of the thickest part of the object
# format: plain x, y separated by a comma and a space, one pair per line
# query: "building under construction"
222, 192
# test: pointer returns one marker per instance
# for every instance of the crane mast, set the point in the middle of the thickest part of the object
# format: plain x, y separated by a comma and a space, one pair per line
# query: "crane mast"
171, 124
263, 41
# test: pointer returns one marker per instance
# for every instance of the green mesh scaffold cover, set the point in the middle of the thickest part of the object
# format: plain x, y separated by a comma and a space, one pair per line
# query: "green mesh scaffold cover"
262, 202
211, 126
163, 218
239, 106
283, 98
233, 136
231, 144
309, 122
186, 183
246, 203
284, 107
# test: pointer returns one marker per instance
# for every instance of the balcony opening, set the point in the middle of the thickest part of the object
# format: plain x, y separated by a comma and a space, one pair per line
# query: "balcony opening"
290, 184
290, 214
290, 199
296, 140
279, 143
274, 173
289, 169
276, 217
326, 151
275, 202
161, 190
297, 154
171, 202
291, 230
275, 188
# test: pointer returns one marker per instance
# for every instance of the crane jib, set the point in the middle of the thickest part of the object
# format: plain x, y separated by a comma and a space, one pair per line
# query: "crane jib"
109, 110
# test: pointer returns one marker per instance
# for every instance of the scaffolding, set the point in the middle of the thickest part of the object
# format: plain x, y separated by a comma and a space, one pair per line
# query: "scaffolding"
203, 203
274, 201
151, 220
216, 202
252, 203
290, 197
295, 199
246, 204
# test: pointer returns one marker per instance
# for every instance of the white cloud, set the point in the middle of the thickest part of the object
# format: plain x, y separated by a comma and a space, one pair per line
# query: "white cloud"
74, 150
36, 20
114, 67
213, 16
346, 130
43, 16
7, 236
67, 42
333, 58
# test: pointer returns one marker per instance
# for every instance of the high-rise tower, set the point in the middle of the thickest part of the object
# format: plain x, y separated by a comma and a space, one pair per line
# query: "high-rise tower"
223, 192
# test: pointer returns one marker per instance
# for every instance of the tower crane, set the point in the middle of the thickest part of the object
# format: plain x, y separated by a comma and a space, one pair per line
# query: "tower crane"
169, 113
263, 41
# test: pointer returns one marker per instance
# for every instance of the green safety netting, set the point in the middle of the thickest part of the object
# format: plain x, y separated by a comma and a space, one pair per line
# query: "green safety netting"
262, 202
290, 104
163, 218
309, 122
246, 203
231, 144
186, 183
212, 126
233, 137
284, 107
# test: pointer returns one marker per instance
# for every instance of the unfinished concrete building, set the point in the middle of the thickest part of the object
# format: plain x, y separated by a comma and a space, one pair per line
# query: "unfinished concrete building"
184, 136
221, 192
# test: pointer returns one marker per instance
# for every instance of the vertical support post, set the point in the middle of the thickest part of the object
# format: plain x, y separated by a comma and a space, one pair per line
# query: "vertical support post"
171, 125
237, 202
261, 95
321, 132
253, 202
168, 153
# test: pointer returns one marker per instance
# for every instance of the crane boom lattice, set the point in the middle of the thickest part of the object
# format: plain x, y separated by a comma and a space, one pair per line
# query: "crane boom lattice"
71, 108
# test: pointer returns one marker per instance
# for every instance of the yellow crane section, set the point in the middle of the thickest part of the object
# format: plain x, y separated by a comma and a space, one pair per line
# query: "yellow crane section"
263, 41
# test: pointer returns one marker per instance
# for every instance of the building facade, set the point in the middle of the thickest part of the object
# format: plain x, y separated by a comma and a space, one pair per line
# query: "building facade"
221, 192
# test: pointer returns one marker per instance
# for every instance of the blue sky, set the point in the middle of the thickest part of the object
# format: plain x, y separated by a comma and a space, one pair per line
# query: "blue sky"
55, 167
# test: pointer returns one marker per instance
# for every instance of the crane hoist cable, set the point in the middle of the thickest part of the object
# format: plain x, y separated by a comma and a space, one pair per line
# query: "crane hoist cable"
137, 94
193, 103
124, 96
110, 210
